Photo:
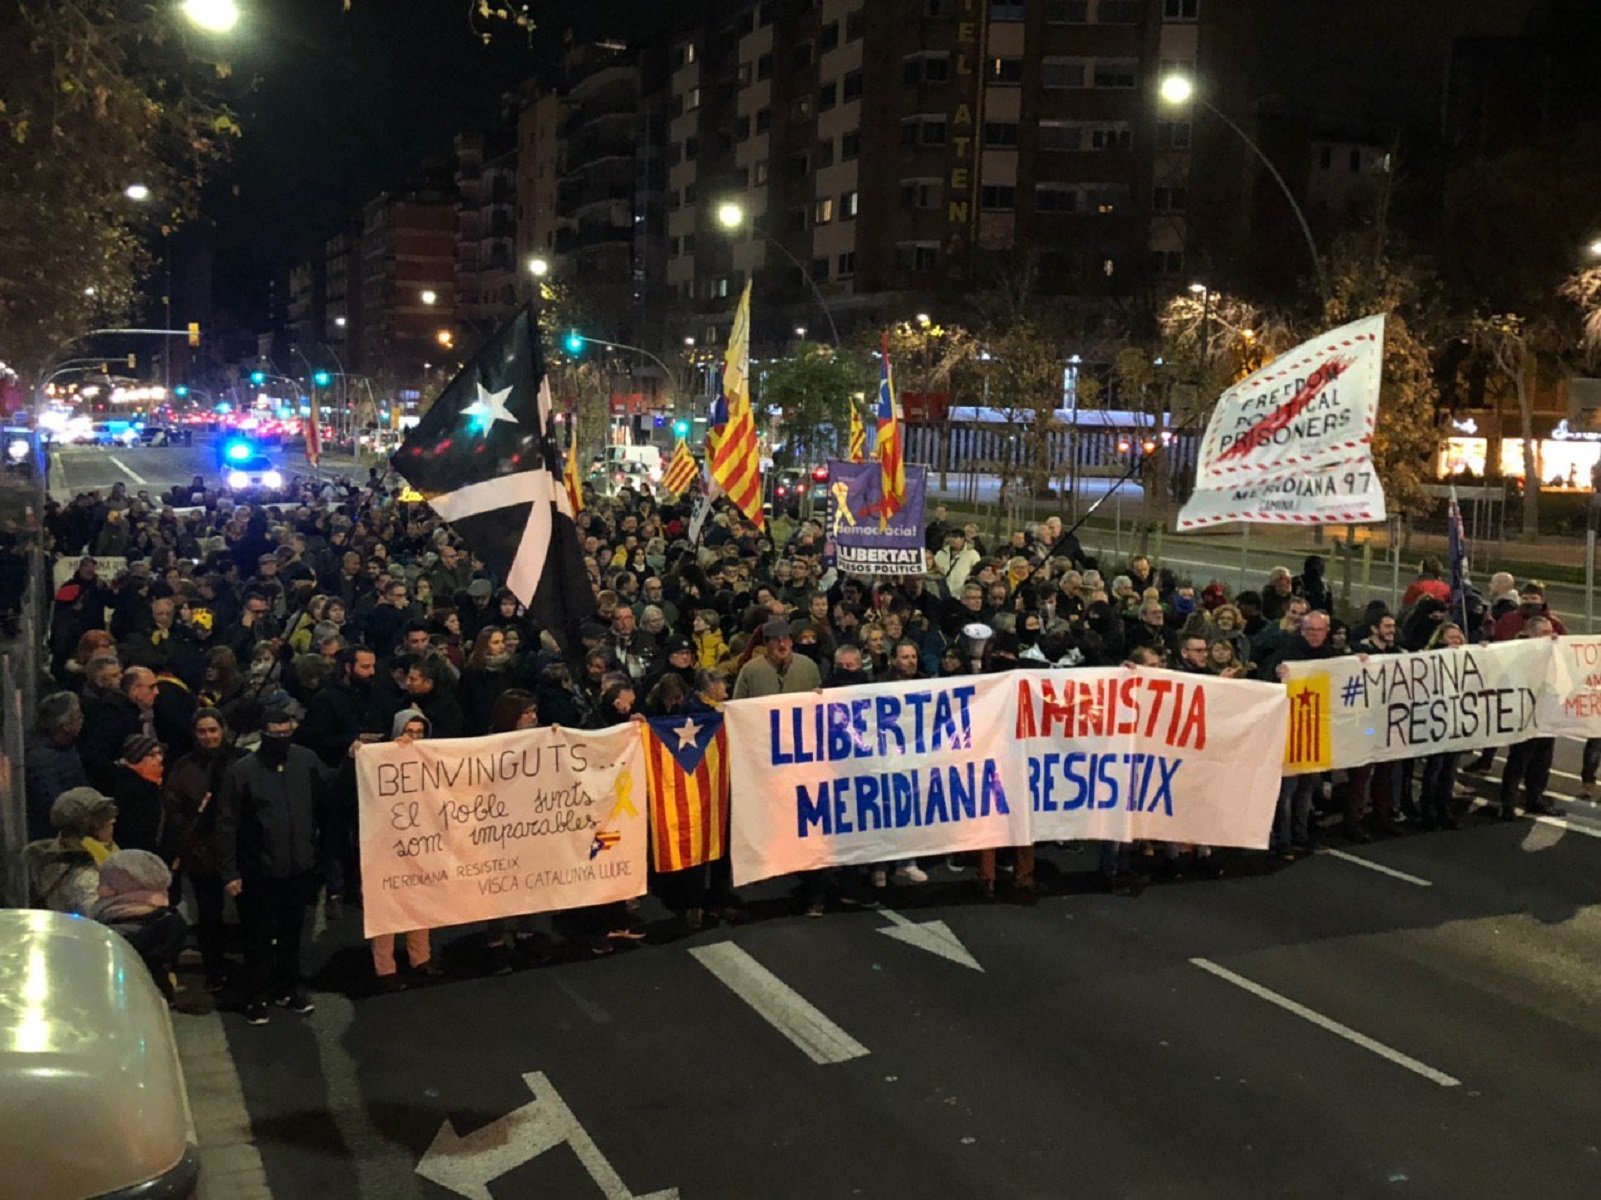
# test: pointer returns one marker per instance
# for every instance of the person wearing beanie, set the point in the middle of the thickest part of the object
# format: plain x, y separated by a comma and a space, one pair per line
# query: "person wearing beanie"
64, 871
136, 789
132, 899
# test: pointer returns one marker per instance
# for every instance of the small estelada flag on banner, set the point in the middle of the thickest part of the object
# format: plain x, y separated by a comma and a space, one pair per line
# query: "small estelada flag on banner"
681, 471
484, 456
858, 443
686, 764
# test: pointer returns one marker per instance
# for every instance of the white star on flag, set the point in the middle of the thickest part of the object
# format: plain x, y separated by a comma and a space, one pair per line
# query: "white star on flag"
687, 732
489, 408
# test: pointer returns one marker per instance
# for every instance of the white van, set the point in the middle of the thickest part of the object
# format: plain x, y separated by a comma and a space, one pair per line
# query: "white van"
645, 458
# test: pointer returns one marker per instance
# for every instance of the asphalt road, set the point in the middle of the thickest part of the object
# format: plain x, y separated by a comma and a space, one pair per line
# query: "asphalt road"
1418, 1017
154, 469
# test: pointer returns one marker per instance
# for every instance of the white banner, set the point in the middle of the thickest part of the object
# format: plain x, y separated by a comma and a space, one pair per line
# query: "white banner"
1572, 706
1342, 494
1312, 406
1122, 754
469, 829
1344, 712
873, 774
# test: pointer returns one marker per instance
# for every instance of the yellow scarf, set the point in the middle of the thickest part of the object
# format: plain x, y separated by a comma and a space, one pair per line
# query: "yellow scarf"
98, 850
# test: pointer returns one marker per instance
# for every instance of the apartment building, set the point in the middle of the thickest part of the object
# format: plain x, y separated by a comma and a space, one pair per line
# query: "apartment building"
486, 232
884, 154
342, 324
538, 171
408, 279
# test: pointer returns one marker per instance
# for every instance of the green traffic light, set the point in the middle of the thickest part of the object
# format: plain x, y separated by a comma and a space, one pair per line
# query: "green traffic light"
681, 428
258, 377
322, 378
575, 342
180, 391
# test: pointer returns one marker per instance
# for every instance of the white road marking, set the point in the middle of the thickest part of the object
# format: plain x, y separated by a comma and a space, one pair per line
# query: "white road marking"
1379, 867
467, 1165
780, 1005
138, 479
934, 936
1555, 822
1328, 1023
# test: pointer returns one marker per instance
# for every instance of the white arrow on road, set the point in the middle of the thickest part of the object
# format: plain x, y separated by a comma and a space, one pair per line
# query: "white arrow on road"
934, 936
467, 1165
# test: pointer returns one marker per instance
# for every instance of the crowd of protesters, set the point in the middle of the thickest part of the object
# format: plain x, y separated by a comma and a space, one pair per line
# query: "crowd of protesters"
212, 689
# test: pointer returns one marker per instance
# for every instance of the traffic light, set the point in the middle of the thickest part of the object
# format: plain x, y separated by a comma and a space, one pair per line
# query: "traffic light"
180, 391
681, 428
194, 333
574, 342
322, 378
258, 377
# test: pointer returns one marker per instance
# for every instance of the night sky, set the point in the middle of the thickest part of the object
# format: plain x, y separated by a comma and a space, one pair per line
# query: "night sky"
347, 102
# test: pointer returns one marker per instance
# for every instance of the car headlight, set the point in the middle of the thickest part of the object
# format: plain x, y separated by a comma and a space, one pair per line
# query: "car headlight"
238, 479
272, 479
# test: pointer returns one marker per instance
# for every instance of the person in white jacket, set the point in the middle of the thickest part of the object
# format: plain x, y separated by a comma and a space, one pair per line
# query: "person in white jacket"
955, 562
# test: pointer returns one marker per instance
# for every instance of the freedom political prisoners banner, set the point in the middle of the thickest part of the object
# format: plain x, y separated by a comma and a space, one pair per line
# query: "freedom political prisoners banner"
860, 546
1292, 443
1125, 753
1572, 705
873, 774
1344, 712
469, 829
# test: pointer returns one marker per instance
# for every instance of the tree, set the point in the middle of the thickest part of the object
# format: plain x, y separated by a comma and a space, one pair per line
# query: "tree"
1513, 345
95, 95
1021, 373
814, 387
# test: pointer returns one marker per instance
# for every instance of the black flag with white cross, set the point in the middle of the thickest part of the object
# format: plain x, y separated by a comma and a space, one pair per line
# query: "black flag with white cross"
485, 458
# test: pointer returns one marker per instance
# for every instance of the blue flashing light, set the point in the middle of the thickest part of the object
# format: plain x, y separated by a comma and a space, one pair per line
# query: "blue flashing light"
237, 451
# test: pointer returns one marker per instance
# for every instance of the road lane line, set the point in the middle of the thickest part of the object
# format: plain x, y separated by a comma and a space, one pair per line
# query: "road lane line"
1379, 867
780, 1005
1557, 822
138, 479
1328, 1023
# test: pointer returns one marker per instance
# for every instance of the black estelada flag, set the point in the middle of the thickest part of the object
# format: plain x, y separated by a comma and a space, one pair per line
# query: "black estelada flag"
485, 458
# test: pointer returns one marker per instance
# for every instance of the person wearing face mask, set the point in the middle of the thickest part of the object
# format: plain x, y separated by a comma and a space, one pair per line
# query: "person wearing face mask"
266, 852
188, 792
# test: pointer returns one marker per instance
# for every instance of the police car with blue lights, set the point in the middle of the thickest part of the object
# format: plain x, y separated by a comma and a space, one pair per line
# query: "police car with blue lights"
246, 469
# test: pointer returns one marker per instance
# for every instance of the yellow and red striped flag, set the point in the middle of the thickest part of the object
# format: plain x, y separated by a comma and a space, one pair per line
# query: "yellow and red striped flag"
686, 765
681, 472
570, 479
858, 442
736, 460
890, 452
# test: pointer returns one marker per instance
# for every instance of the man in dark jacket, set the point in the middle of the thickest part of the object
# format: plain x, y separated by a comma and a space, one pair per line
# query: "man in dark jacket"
52, 764
123, 713
432, 691
1292, 827
266, 853
337, 716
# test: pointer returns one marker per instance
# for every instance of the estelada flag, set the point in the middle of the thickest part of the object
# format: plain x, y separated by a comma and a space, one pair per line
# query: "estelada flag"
686, 764
484, 457
681, 472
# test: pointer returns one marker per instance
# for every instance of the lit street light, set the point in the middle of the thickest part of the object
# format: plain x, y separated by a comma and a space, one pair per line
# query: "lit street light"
1198, 289
924, 320
136, 192
213, 16
538, 267
444, 337
1595, 248
429, 296
1175, 90
731, 216
800, 331
340, 322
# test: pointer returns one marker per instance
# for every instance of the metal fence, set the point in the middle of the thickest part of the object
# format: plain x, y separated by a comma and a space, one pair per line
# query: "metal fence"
20, 666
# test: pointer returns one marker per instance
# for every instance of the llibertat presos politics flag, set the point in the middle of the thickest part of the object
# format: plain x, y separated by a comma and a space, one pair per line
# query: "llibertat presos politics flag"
484, 457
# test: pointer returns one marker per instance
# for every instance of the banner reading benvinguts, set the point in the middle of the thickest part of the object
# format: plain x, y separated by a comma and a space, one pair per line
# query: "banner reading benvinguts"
873, 774
1124, 754
469, 829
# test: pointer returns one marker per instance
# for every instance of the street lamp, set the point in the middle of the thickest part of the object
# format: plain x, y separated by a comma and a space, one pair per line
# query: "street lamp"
444, 337
800, 331
731, 215
341, 322
213, 16
137, 192
924, 320
538, 267
1197, 289
1177, 89
1595, 248
429, 296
